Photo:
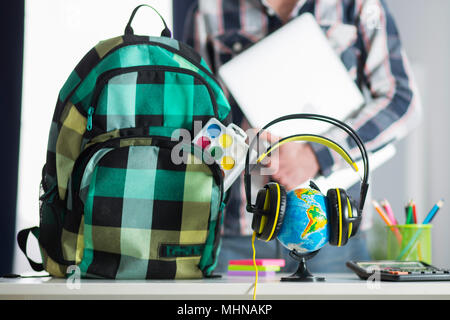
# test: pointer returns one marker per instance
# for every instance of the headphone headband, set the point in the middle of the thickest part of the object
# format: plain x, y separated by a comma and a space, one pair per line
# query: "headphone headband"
335, 122
311, 138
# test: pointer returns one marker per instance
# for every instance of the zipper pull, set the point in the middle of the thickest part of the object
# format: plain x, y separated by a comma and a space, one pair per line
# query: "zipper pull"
89, 118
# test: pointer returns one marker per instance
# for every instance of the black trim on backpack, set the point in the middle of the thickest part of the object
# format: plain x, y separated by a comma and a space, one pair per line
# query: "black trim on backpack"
22, 239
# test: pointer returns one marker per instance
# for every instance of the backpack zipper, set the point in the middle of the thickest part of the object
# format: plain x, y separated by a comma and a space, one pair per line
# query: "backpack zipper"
108, 75
89, 118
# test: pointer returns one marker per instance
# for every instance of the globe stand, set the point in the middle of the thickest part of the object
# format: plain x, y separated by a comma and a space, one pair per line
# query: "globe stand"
302, 274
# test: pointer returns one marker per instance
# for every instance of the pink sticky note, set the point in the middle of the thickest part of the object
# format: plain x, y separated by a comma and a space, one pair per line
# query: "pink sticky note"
259, 262
251, 273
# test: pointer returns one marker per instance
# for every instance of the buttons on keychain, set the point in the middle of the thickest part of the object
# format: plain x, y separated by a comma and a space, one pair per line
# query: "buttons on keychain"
214, 132
203, 142
225, 140
227, 163
216, 152
227, 147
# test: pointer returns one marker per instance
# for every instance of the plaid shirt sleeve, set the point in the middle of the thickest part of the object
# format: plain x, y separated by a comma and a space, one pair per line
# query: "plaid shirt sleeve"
393, 107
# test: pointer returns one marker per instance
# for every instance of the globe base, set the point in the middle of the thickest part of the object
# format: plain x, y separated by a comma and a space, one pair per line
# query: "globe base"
302, 274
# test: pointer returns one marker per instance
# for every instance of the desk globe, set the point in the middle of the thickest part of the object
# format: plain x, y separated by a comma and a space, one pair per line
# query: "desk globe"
305, 229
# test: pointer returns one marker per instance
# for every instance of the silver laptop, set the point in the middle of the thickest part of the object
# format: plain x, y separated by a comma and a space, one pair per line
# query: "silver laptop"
293, 70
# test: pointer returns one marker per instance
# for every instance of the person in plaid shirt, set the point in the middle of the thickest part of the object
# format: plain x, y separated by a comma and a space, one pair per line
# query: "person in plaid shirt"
364, 35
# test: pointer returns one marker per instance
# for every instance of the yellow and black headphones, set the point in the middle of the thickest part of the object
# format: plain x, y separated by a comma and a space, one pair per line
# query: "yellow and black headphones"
344, 215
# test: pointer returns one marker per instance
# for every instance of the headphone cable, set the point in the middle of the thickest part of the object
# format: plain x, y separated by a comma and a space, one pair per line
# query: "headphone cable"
254, 264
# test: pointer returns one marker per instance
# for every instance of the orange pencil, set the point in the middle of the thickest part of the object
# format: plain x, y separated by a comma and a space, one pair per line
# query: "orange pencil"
385, 218
382, 214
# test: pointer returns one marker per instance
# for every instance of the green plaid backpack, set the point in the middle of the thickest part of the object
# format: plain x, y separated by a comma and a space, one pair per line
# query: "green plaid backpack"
114, 203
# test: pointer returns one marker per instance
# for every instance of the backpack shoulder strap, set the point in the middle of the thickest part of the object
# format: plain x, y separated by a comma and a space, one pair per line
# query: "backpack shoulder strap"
22, 239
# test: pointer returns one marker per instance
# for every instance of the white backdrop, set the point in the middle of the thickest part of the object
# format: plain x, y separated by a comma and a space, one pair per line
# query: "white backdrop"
57, 35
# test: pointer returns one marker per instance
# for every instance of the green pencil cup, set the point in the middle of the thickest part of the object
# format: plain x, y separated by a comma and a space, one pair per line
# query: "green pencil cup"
409, 242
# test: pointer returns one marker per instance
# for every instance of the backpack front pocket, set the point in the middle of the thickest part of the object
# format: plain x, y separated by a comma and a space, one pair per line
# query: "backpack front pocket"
144, 216
179, 97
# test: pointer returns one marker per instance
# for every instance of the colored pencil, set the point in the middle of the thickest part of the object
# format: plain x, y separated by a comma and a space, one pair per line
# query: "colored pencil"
409, 219
414, 212
433, 211
385, 218
387, 207
427, 220
406, 214
382, 214
409, 246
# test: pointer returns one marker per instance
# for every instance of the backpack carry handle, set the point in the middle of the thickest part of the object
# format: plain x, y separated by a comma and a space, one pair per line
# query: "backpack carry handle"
129, 30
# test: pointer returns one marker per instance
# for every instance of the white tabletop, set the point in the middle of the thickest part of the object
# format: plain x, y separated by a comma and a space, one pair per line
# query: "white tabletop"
336, 286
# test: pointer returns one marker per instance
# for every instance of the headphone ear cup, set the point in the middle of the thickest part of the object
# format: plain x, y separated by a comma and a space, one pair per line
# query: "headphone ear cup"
339, 204
274, 214
281, 211
354, 226
345, 224
333, 217
259, 206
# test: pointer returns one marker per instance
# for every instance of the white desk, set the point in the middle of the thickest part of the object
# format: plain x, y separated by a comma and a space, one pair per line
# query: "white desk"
336, 286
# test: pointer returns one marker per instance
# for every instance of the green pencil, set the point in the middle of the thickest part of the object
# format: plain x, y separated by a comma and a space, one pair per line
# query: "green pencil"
410, 214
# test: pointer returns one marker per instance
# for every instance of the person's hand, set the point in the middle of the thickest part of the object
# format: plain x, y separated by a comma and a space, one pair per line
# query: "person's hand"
294, 164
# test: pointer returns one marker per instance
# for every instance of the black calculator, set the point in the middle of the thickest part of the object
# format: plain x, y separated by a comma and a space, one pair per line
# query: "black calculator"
398, 271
